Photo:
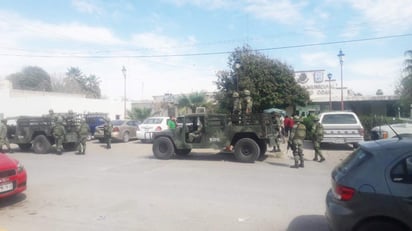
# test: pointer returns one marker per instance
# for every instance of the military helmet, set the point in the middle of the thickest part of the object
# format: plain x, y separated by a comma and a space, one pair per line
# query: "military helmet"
51, 111
246, 92
235, 94
59, 119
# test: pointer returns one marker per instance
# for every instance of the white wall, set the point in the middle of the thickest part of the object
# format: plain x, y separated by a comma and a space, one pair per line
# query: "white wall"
19, 102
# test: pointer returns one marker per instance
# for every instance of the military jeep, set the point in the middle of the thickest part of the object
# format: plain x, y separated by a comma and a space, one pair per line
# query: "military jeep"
36, 132
249, 135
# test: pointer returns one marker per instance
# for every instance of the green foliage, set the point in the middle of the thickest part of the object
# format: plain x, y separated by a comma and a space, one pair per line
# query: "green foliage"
271, 82
308, 122
77, 82
405, 86
139, 113
192, 101
31, 78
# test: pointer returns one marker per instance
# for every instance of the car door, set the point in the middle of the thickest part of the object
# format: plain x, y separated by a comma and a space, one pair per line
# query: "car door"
400, 185
132, 127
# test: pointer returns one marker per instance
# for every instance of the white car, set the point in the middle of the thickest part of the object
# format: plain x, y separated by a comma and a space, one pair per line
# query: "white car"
150, 125
385, 132
341, 127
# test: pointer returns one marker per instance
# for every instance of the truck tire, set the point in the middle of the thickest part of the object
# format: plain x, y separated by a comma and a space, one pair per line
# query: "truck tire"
163, 148
263, 148
25, 147
246, 150
41, 144
183, 152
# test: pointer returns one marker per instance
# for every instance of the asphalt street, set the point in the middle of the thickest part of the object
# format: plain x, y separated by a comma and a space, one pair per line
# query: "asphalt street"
126, 188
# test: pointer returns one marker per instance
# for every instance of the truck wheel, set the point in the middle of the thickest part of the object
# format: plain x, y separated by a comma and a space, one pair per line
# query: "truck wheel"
41, 144
183, 152
263, 148
163, 148
25, 147
126, 137
247, 150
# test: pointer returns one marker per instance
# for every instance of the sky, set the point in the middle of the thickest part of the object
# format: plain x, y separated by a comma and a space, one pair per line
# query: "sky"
178, 46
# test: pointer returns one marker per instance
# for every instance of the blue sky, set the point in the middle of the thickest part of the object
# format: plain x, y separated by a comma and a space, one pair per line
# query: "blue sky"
151, 39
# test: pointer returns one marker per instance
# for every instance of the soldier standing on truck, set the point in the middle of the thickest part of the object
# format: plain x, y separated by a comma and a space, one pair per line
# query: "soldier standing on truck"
297, 135
107, 130
3, 136
83, 132
58, 134
247, 100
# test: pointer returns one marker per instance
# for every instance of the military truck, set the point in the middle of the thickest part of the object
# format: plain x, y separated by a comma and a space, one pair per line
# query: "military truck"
249, 135
36, 132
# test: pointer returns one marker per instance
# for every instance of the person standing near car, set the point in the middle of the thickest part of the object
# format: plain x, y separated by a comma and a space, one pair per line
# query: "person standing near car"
83, 132
58, 134
171, 123
107, 131
296, 138
3, 136
317, 137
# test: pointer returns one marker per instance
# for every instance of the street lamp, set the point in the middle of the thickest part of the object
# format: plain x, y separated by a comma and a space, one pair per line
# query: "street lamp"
330, 93
237, 66
340, 55
124, 99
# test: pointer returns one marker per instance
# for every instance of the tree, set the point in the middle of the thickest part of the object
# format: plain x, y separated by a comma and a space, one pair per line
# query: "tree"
31, 78
404, 88
192, 101
379, 92
77, 82
139, 113
270, 82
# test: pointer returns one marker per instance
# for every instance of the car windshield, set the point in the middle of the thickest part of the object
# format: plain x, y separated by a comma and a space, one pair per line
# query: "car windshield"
117, 122
339, 119
353, 160
153, 121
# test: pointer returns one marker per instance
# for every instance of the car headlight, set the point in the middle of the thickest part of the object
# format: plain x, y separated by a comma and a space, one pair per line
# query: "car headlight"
20, 167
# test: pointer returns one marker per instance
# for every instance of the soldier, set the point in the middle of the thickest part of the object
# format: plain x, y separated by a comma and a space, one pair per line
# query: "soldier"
83, 132
59, 132
107, 129
297, 135
247, 100
276, 126
317, 136
237, 105
53, 116
3, 136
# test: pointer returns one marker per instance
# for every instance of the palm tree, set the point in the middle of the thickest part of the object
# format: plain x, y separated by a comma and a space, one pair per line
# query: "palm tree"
192, 101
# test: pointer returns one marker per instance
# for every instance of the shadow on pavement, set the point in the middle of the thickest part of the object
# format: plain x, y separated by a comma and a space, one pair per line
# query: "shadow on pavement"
13, 200
308, 222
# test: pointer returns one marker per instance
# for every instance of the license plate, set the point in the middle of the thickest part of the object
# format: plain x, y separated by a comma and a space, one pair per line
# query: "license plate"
6, 187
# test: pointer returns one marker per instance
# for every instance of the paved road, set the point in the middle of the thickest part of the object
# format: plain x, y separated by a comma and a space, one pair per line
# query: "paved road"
125, 188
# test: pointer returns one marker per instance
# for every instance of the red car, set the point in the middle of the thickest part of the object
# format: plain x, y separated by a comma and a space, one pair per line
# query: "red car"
13, 176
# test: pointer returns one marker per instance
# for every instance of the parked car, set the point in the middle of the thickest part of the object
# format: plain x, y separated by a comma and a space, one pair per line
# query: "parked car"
341, 127
385, 131
123, 130
94, 120
372, 188
150, 125
13, 176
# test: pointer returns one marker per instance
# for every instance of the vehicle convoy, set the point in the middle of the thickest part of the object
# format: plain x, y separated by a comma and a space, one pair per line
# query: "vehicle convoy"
36, 132
249, 135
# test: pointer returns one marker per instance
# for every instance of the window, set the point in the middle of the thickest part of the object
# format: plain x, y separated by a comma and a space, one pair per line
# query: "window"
355, 159
402, 172
339, 119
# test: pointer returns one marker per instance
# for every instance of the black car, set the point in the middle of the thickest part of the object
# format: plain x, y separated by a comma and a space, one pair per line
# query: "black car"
372, 188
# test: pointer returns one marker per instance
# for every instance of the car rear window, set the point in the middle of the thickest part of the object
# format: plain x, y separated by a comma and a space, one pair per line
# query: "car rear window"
153, 121
339, 119
353, 160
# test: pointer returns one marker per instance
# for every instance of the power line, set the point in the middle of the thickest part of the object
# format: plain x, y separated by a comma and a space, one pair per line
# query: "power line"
208, 53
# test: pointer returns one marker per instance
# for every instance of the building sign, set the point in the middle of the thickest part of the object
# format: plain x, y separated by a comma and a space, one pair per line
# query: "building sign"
316, 83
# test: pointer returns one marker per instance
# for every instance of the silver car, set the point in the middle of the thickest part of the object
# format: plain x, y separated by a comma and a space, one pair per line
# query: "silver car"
123, 130
372, 188
386, 131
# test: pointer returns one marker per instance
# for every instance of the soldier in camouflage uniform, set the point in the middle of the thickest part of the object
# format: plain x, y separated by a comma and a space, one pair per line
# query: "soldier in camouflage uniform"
317, 136
237, 108
247, 100
3, 136
107, 131
58, 134
297, 135
83, 132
